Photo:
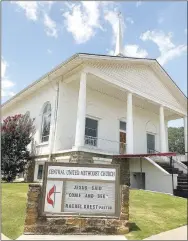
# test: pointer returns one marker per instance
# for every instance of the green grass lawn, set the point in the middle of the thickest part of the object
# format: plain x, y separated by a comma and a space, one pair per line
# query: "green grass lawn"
14, 197
150, 213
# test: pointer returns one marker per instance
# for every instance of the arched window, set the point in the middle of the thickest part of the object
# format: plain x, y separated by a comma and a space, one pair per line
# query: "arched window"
46, 119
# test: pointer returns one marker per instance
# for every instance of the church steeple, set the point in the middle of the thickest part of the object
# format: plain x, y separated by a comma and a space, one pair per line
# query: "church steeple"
119, 38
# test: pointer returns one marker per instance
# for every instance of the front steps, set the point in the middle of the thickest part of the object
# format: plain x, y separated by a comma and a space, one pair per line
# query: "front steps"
182, 187
182, 179
185, 163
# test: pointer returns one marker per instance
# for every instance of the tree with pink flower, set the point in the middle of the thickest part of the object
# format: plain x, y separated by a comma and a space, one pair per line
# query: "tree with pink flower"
16, 135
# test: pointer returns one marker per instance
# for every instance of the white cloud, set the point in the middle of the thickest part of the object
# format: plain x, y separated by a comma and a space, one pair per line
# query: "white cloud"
82, 20
46, 3
172, 53
6, 84
29, 7
50, 26
32, 8
135, 51
129, 20
3, 67
163, 41
112, 18
37, 11
49, 51
139, 3
93, 12
7, 93
131, 50
167, 49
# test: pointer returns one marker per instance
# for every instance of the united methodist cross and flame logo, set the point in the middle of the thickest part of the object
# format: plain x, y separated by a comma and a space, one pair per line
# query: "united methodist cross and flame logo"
51, 196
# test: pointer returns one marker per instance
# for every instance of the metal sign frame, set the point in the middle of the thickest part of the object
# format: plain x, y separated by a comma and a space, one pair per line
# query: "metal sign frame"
116, 214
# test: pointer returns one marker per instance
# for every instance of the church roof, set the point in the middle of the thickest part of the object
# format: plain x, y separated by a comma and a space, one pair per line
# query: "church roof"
78, 59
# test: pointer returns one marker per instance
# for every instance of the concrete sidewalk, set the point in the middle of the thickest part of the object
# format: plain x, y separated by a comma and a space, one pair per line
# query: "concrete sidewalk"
174, 234
3, 237
71, 237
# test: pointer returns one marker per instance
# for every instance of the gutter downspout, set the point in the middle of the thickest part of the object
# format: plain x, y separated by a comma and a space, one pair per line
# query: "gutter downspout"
55, 121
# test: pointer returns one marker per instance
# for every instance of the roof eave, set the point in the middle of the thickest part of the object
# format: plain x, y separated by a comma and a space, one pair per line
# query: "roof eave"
87, 56
120, 58
40, 79
165, 72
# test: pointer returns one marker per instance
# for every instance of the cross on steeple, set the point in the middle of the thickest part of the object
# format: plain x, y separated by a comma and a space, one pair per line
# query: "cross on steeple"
119, 38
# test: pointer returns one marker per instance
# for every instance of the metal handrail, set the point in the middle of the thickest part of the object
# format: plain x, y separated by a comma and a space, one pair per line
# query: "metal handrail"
170, 158
155, 151
90, 140
94, 141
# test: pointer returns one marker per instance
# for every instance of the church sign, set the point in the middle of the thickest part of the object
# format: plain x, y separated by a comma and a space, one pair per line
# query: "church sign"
81, 189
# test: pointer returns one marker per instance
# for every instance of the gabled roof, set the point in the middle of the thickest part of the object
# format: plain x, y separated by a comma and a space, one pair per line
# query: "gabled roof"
80, 58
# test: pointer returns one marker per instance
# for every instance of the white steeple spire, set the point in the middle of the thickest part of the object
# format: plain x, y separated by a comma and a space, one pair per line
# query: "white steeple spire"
119, 38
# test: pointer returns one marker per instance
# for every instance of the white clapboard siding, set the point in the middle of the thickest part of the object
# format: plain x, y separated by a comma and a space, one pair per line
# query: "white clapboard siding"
138, 77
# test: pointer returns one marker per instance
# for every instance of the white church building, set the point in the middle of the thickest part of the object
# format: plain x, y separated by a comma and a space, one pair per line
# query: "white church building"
101, 105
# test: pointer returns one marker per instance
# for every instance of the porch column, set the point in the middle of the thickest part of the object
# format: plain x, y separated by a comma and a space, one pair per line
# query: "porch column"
162, 131
129, 131
185, 133
81, 112
167, 145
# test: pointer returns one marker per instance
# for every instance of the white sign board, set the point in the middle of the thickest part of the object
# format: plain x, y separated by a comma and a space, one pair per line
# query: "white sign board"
89, 173
89, 197
73, 189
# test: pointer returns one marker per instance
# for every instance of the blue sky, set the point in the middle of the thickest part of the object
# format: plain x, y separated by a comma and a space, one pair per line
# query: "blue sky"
38, 35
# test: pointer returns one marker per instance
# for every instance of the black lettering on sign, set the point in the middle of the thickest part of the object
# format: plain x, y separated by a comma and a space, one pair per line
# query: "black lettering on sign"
105, 207
90, 206
107, 173
80, 187
96, 188
72, 172
74, 195
56, 171
101, 196
73, 206
89, 195
90, 173
51, 171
